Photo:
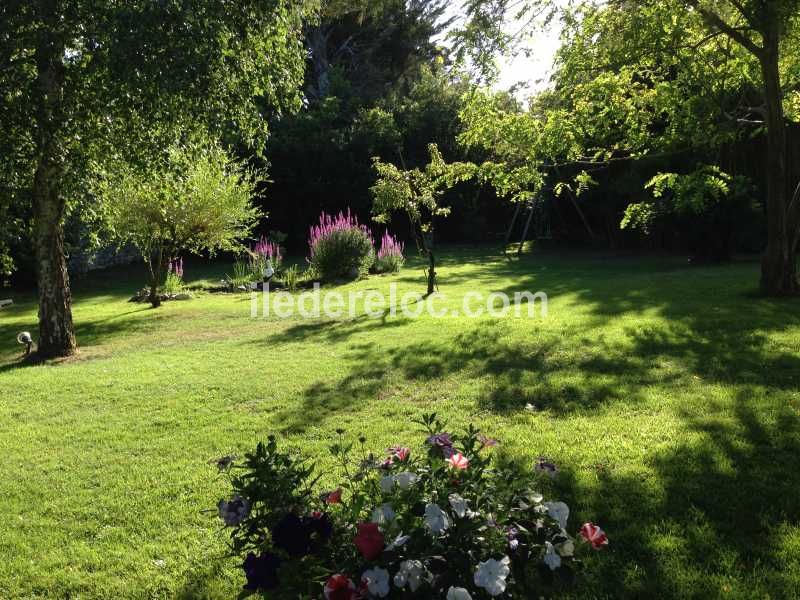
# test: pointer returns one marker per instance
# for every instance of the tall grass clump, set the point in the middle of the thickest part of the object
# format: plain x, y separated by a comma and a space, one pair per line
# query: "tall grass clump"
340, 247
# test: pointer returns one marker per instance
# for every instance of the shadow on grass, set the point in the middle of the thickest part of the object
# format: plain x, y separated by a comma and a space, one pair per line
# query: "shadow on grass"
711, 519
558, 372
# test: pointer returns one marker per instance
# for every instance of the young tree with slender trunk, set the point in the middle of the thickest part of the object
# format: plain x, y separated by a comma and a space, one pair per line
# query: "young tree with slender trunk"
416, 192
198, 200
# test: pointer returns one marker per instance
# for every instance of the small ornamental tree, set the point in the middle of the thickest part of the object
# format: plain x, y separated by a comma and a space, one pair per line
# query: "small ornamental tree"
198, 200
415, 192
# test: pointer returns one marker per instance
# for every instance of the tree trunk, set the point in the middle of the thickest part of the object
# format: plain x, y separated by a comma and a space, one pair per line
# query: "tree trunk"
779, 264
431, 272
157, 266
56, 333
317, 39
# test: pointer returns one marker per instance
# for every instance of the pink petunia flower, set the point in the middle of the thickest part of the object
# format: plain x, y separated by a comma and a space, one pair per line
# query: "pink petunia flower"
401, 453
339, 587
458, 461
594, 535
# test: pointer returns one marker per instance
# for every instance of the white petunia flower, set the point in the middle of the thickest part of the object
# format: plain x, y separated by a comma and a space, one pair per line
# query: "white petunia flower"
551, 558
558, 511
399, 541
383, 514
455, 593
491, 575
436, 520
567, 547
406, 479
387, 484
411, 574
377, 581
460, 507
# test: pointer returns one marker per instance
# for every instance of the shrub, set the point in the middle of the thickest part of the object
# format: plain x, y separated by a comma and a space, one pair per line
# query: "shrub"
390, 256
340, 247
452, 522
173, 284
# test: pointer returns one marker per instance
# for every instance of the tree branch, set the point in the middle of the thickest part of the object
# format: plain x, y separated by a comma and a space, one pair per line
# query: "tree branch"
714, 20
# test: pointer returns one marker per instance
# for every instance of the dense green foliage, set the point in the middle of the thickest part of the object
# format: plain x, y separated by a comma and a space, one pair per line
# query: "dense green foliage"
642, 89
134, 74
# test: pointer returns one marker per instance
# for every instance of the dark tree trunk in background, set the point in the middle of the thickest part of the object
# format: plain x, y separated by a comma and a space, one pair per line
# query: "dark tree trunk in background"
779, 264
431, 272
317, 39
158, 268
56, 333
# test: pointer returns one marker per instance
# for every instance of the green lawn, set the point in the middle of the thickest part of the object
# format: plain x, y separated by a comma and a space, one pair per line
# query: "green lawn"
667, 394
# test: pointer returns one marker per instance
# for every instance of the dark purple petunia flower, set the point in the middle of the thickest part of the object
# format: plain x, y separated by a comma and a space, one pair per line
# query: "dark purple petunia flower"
443, 442
261, 571
440, 439
291, 535
543, 465
319, 524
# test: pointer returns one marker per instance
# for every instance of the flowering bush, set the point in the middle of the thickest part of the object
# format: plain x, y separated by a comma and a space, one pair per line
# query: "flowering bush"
454, 523
173, 284
390, 256
340, 247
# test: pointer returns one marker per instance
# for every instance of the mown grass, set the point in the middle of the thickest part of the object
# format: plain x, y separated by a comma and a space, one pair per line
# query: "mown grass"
667, 394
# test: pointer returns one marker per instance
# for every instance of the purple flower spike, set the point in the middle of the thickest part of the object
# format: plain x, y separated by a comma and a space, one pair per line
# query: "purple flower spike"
328, 224
390, 246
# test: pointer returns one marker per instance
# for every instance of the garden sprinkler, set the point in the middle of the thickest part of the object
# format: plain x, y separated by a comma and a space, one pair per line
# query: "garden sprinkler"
25, 339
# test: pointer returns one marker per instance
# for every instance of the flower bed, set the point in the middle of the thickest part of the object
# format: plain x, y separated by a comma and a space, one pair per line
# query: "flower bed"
456, 523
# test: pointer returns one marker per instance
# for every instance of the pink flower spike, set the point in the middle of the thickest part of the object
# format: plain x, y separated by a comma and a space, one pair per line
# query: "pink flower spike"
458, 461
594, 535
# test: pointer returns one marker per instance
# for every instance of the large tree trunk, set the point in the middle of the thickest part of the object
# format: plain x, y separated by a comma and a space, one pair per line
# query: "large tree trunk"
317, 38
56, 333
779, 264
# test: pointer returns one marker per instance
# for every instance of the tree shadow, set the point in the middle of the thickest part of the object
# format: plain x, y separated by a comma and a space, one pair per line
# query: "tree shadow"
710, 518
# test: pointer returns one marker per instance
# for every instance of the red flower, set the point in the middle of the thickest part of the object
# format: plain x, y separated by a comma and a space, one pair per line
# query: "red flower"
458, 461
339, 587
334, 497
594, 535
369, 541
